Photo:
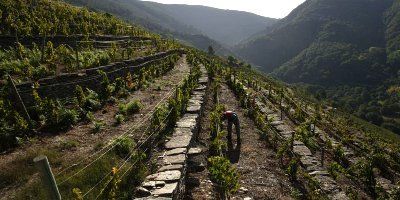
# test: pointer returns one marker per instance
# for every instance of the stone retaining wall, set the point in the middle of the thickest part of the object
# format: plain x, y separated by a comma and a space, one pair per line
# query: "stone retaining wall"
309, 162
6, 41
169, 181
63, 86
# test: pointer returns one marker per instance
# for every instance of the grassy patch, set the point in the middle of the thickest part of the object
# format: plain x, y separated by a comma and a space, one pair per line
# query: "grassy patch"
20, 170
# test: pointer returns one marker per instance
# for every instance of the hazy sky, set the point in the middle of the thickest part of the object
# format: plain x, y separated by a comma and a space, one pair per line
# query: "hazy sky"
268, 8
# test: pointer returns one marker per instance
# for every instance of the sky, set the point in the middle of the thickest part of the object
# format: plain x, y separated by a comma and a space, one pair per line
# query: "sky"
267, 8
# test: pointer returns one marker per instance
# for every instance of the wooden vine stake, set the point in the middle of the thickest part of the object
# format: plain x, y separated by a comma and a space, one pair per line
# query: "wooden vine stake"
17, 100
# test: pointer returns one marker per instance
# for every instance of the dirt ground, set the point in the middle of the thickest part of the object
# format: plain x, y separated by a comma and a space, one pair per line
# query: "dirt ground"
260, 174
85, 141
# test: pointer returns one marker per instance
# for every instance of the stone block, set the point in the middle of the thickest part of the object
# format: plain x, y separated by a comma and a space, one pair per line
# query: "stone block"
167, 176
182, 131
181, 141
193, 109
175, 151
302, 150
171, 167
194, 151
175, 159
167, 191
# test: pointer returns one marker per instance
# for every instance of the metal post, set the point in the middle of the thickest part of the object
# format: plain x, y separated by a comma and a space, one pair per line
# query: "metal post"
42, 164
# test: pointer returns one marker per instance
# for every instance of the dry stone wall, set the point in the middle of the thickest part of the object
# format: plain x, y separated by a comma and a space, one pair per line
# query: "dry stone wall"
309, 162
168, 182
63, 86
57, 40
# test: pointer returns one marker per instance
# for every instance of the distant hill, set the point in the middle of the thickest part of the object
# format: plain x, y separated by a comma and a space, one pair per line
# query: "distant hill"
316, 24
191, 24
226, 26
347, 51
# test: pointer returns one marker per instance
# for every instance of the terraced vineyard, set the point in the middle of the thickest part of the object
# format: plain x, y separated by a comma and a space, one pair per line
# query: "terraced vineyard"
122, 114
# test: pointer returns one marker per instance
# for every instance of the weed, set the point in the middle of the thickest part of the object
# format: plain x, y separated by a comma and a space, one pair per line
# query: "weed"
68, 145
98, 146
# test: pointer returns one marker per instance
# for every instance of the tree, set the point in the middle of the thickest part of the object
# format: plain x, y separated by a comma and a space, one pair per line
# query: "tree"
211, 50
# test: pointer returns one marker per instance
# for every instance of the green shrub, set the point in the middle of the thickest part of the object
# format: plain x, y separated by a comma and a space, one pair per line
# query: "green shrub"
292, 169
119, 118
224, 175
133, 107
334, 169
97, 126
68, 117
123, 146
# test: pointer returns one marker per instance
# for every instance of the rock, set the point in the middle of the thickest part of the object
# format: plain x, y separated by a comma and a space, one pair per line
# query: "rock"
276, 123
200, 93
181, 141
203, 80
307, 161
175, 159
200, 88
182, 131
153, 198
385, 183
194, 151
167, 191
188, 121
283, 128
322, 173
302, 151
166, 176
340, 196
193, 109
170, 167
197, 97
149, 184
328, 185
243, 190
142, 192
159, 183
196, 101
175, 151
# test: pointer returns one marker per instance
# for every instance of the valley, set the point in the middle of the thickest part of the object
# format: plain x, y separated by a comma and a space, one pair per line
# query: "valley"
128, 99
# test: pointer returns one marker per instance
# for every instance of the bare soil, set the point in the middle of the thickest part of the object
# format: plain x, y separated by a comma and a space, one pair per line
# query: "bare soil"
82, 135
260, 174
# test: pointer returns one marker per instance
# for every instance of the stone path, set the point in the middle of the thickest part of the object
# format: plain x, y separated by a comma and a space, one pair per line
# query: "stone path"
311, 164
169, 181
260, 174
349, 153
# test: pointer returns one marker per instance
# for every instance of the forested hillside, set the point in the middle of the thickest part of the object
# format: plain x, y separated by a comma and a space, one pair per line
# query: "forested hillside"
347, 51
104, 109
190, 24
226, 26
